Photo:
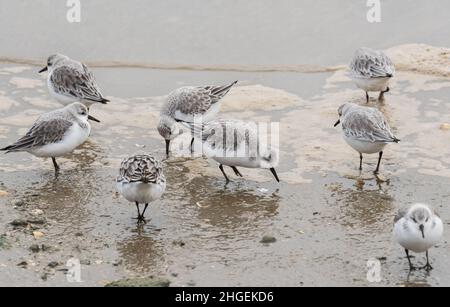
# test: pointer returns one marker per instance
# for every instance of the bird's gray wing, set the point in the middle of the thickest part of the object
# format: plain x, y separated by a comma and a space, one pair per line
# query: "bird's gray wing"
372, 65
368, 127
42, 133
198, 100
79, 84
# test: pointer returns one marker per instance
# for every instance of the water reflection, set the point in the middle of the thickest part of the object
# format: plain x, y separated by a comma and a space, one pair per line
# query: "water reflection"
65, 199
367, 203
141, 252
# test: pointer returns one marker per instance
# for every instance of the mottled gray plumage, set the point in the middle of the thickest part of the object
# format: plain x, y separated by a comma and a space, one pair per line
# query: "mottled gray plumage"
49, 128
190, 101
141, 168
369, 63
365, 124
76, 81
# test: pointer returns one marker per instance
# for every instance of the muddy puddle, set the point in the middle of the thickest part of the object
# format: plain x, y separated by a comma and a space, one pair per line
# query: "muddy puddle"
327, 218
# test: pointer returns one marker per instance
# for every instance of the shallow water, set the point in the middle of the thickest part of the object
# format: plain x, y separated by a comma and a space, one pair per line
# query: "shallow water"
328, 219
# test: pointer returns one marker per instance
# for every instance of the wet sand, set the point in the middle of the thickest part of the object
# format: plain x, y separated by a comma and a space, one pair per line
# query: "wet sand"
328, 220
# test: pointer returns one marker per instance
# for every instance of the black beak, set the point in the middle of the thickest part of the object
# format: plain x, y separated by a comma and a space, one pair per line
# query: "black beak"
167, 147
422, 231
93, 119
43, 69
337, 123
275, 174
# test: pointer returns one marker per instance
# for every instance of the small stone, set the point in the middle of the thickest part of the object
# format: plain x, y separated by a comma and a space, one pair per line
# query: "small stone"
445, 126
19, 223
117, 263
23, 264
178, 243
35, 248
53, 264
268, 239
3, 193
37, 234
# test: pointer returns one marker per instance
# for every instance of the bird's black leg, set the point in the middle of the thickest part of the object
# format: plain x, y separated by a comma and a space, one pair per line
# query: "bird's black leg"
360, 161
56, 166
236, 171
192, 146
381, 97
223, 172
379, 162
428, 267
411, 267
143, 212
139, 211
367, 97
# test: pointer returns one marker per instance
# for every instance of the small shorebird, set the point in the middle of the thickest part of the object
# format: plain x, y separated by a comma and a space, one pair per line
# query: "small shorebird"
188, 104
417, 228
371, 70
365, 130
236, 144
56, 133
141, 180
71, 81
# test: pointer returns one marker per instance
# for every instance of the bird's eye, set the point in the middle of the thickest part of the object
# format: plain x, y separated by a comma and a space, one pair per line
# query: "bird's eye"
426, 221
414, 220
83, 113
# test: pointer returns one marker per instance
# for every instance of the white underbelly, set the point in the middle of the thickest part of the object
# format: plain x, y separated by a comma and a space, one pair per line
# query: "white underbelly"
372, 85
71, 140
142, 193
365, 147
412, 239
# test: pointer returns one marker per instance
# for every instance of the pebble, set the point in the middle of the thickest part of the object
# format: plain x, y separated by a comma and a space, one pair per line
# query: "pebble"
35, 248
19, 223
268, 239
445, 126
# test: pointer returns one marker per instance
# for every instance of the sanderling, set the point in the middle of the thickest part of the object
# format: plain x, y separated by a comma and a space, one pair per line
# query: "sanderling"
417, 228
236, 144
56, 133
371, 71
365, 130
188, 103
71, 81
141, 181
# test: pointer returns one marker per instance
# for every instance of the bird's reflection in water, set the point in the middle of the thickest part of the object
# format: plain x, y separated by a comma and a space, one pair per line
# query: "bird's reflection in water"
413, 280
366, 203
66, 198
240, 205
141, 252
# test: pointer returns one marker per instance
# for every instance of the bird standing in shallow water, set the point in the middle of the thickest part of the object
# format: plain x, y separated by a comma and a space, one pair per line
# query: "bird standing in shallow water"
141, 180
417, 228
236, 143
371, 71
187, 105
56, 133
365, 130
